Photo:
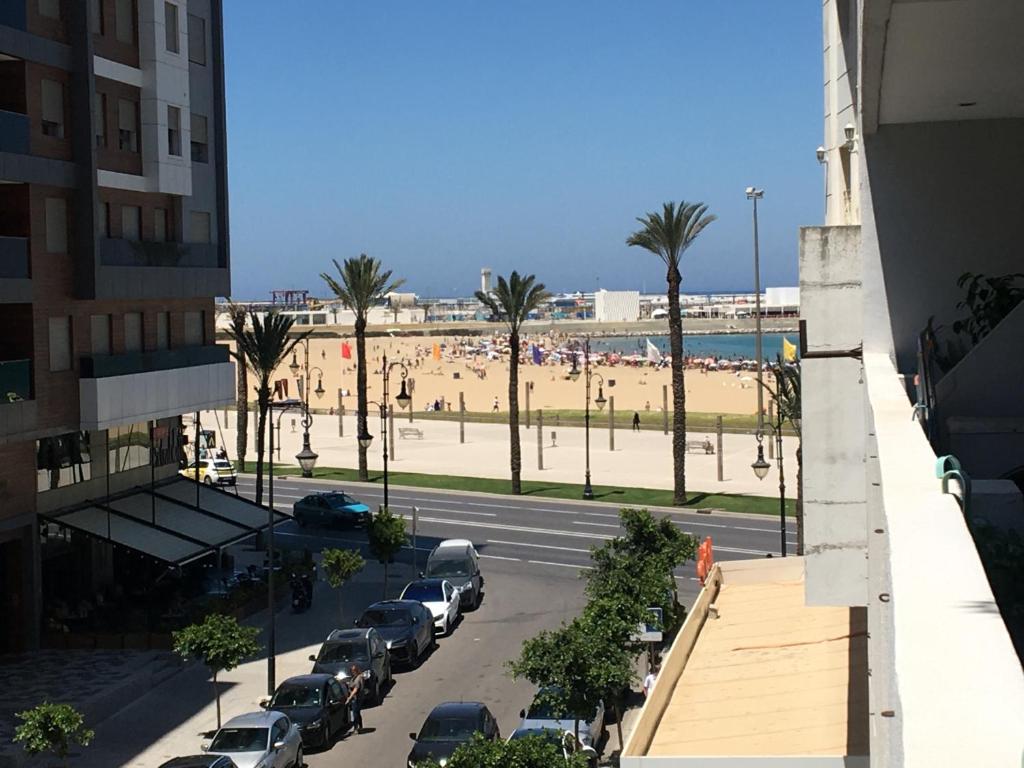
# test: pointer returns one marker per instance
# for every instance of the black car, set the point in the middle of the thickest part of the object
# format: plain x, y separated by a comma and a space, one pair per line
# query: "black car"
406, 626
450, 725
330, 509
200, 761
316, 704
457, 561
362, 648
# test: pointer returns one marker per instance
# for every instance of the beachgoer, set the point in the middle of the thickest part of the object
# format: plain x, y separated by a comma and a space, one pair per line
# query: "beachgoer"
647, 406
636, 421
494, 408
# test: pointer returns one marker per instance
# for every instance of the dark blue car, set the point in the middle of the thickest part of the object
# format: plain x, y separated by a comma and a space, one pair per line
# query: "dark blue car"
330, 509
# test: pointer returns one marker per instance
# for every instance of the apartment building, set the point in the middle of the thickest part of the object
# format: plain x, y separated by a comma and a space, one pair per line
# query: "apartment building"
113, 246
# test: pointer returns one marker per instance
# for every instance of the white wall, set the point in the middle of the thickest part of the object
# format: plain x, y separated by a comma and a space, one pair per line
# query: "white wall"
617, 306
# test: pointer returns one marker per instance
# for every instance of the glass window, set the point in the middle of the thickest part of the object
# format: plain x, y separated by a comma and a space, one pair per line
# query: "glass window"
103, 219
53, 108
160, 225
63, 460
173, 131
131, 222
60, 343
240, 740
194, 335
344, 651
133, 332
100, 118
99, 334
49, 8
171, 27
425, 593
163, 333
199, 227
196, 39
200, 148
56, 225
127, 125
96, 16
128, 447
124, 20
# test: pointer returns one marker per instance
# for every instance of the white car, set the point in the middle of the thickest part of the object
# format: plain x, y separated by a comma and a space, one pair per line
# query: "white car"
440, 597
259, 740
566, 741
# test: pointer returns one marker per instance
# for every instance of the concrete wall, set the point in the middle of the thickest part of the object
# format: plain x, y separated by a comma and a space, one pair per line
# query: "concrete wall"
835, 534
617, 306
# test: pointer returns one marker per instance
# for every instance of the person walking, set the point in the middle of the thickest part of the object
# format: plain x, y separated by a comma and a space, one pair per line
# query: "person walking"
355, 689
649, 681
636, 421
494, 409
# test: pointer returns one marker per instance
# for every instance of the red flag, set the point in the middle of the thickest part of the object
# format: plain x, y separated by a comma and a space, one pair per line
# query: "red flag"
346, 350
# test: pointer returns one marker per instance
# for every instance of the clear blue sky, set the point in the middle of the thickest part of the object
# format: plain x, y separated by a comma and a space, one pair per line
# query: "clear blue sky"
444, 136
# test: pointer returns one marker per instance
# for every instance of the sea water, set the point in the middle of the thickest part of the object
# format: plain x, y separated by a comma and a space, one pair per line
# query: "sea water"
718, 345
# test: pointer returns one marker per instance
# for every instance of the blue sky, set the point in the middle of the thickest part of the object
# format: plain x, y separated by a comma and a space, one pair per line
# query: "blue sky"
444, 136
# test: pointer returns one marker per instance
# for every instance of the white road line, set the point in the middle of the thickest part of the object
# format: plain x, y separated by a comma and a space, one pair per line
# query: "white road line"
498, 557
537, 546
561, 565
333, 539
598, 525
452, 511
516, 528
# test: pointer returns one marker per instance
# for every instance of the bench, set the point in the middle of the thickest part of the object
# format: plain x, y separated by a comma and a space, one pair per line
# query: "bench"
404, 432
699, 446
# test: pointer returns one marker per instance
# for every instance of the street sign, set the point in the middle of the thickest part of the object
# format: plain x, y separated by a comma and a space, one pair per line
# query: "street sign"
650, 632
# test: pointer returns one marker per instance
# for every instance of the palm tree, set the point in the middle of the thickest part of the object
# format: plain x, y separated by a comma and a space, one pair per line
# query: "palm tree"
668, 235
363, 284
513, 301
264, 345
237, 316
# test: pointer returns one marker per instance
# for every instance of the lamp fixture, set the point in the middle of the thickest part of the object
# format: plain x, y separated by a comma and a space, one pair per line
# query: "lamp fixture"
820, 152
319, 387
294, 366
760, 466
365, 438
600, 400
403, 398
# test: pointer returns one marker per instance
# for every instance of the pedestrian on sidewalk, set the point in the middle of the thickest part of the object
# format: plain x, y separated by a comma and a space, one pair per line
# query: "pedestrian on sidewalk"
355, 689
494, 409
636, 421
649, 681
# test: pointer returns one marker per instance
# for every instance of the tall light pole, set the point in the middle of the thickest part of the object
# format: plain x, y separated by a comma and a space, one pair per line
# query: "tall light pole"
403, 399
574, 374
306, 457
755, 195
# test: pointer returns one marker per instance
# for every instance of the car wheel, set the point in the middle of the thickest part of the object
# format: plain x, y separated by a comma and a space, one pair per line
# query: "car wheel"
414, 656
478, 597
207, 480
327, 738
299, 761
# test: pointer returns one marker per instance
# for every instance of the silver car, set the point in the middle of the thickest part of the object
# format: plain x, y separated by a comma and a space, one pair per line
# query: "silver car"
259, 740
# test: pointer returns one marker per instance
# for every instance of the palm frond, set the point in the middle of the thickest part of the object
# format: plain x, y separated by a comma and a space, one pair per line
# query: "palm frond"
361, 283
515, 298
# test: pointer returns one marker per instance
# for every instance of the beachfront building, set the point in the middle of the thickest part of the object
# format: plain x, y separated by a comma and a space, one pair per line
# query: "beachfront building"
885, 645
617, 306
113, 245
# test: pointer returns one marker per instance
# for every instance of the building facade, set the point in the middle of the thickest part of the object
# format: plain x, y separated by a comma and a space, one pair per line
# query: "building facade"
113, 246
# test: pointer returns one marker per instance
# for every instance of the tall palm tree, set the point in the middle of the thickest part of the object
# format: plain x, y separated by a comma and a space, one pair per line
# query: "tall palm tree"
362, 285
265, 345
238, 316
513, 301
667, 235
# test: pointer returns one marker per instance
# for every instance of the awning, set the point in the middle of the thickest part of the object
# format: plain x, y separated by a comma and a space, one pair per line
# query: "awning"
164, 522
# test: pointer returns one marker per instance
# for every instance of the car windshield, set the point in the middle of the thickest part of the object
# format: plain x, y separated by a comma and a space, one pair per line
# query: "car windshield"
296, 696
386, 617
448, 729
545, 711
425, 593
548, 734
222, 464
240, 740
349, 651
340, 499
448, 567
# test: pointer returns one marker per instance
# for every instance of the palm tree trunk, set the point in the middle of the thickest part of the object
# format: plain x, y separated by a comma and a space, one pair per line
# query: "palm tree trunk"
263, 402
364, 474
242, 409
675, 331
513, 412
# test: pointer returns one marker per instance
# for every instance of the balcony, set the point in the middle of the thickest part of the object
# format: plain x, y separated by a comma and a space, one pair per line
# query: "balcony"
129, 363
12, 14
15, 130
15, 381
14, 261
132, 253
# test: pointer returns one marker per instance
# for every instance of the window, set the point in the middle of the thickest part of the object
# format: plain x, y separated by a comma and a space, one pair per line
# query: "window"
60, 343
103, 219
127, 125
173, 131
124, 20
49, 8
171, 27
194, 322
131, 224
128, 447
160, 225
99, 332
163, 330
96, 16
56, 225
200, 148
101, 119
199, 227
53, 108
133, 332
196, 39
62, 460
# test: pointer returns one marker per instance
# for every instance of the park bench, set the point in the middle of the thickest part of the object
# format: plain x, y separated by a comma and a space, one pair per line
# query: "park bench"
699, 446
404, 432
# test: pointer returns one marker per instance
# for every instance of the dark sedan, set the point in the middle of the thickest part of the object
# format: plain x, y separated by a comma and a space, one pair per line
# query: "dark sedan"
406, 626
316, 704
200, 761
330, 509
449, 726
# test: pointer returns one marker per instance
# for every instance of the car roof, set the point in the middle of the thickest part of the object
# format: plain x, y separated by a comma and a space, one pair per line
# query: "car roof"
457, 709
354, 633
311, 679
196, 761
453, 543
429, 582
253, 720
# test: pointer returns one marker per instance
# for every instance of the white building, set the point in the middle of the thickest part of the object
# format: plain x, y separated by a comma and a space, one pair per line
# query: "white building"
617, 306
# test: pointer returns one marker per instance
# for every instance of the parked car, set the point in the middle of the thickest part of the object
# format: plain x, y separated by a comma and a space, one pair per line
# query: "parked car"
457, 561
330, 509
366, 649
541, 715
259, 740
406, 626
316, 704
564, 740
448, 726
211, 472
440, 597
200, 761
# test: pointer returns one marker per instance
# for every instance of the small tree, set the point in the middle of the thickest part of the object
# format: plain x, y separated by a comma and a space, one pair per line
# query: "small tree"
528, 752
220, 642
340, 565
386, 535
52, 728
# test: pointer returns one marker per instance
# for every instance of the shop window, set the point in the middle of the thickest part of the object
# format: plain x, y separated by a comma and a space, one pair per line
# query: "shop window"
63, 460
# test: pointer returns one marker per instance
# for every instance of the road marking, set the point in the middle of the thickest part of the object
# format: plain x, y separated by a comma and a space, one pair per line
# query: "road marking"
332, 540
498, 557
453, 511
561, 565
537, 546
517, 528
599, 525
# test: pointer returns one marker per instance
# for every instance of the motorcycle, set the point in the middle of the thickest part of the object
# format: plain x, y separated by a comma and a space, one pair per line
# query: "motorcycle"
302, 592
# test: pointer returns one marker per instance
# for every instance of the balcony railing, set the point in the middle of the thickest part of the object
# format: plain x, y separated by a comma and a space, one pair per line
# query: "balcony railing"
14, 128
15, 381
12, 14
128, 363
14, 257
132, 253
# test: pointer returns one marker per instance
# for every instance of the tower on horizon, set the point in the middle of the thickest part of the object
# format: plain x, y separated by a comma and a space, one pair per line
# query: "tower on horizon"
485, 280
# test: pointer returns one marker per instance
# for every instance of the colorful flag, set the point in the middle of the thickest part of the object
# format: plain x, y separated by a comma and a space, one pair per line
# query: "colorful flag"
653, 355
437, 351
346, 350
538, 356
788, 350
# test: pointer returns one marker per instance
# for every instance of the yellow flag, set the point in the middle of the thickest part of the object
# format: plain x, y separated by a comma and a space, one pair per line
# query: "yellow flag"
788, 350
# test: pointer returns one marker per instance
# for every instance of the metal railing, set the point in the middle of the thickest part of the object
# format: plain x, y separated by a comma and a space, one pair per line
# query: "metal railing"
128, 363
133, 253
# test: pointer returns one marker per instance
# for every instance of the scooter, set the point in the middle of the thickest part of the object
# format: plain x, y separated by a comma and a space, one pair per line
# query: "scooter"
302, 593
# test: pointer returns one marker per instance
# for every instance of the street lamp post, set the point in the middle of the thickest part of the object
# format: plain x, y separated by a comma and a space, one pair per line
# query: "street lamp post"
599, 401
403, 399
755, 195
761, 467
306, 457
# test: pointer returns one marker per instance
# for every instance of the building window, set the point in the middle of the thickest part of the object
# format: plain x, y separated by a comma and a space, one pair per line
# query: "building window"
49, 8
101, 120
63, 460
124, 20
56, 225
200, 148
133, 332
160, 225
199, 227
127, 125
60, 343
99, 332
128, 447
131, 222
53, 109
194, 336
103, 219
196, 39
163, 330
171, 27
173, 131
96, 16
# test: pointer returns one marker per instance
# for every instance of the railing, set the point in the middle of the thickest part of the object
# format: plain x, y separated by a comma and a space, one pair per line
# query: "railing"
14, 261
15, 128
12, 14
132, 253
15, 381
129, 363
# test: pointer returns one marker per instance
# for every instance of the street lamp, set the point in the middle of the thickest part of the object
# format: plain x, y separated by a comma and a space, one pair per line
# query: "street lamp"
761, 467
754, 195
402, 398
306, 457
599, 401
